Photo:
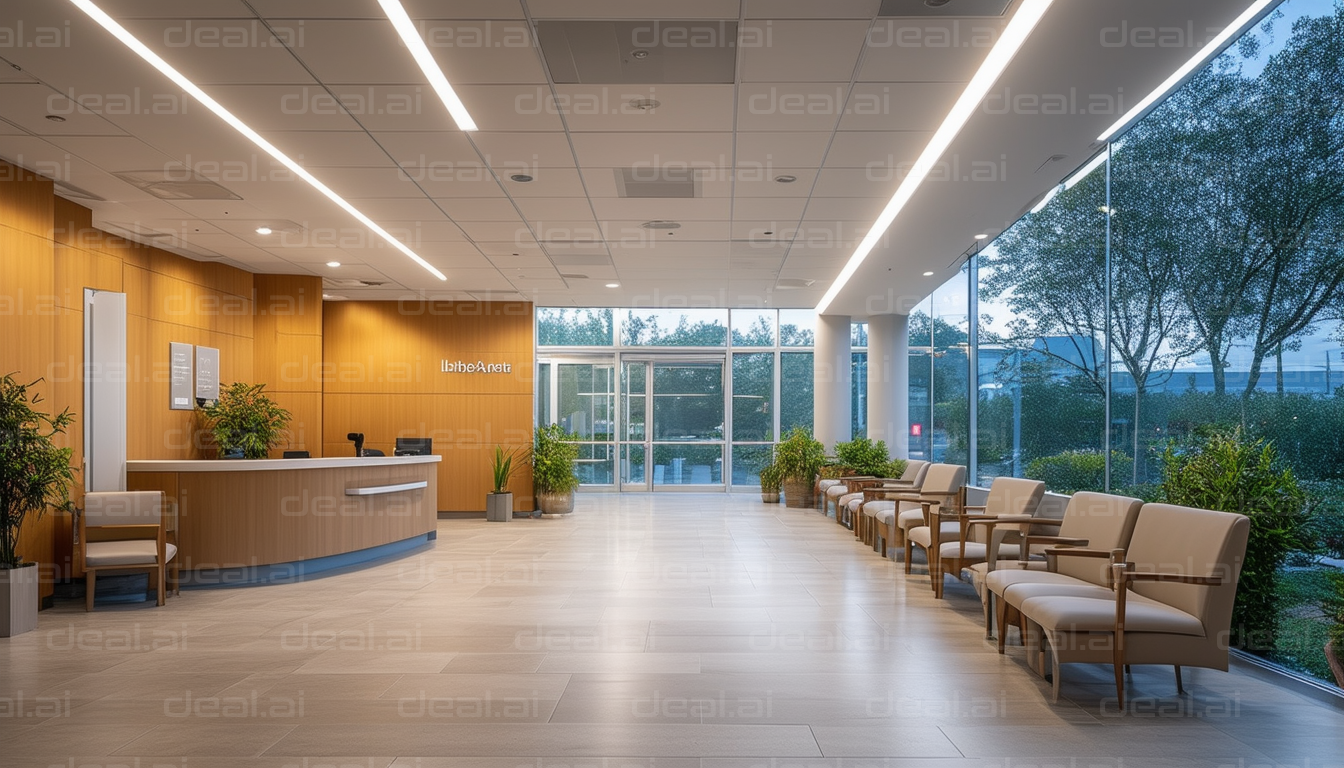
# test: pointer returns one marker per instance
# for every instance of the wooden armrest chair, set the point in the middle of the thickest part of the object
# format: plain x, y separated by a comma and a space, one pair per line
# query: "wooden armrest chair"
1170, 603
1012, 502
124, 531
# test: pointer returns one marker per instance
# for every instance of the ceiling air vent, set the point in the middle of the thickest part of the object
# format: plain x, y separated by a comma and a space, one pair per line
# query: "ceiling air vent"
793, 284
944, 7
640, 52
657, 182
176, 184
71, 192
346, 283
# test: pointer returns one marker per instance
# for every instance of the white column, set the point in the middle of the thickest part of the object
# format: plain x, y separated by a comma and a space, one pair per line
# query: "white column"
889, 382
831, 380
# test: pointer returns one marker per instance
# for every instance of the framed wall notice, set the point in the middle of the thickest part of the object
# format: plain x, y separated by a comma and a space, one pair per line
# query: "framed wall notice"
182, 385
207, 373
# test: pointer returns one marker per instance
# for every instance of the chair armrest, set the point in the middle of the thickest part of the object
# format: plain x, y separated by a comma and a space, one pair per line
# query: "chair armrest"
1056, 540
976, 506
1050, 521
1116, 556
1176, 578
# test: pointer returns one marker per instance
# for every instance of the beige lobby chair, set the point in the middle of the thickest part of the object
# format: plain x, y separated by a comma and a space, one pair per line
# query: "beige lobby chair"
864, 510
943, 492
1100, 522
955, 538
841, 487
125, 531
1171, 601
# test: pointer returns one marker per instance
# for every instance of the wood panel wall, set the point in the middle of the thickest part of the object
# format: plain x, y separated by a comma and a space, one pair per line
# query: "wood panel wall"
287, 354
382, 376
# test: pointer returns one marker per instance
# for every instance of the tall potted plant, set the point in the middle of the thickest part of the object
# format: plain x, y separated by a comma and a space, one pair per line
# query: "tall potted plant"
34, 475
499, 502
554, 453
245, 422
798, 459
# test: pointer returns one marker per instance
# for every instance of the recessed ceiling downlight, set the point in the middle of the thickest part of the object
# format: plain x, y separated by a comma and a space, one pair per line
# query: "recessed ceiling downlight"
928, 274
645, 105
613, 285
264, 230
333, 264
936, 3
658, 224
56, 118
522, 178
786, 179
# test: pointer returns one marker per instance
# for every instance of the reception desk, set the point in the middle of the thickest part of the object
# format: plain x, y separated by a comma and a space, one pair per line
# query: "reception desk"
243, 521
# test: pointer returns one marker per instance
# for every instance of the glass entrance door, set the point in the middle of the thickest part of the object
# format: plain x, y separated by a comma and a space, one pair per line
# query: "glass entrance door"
582, 399
673, 424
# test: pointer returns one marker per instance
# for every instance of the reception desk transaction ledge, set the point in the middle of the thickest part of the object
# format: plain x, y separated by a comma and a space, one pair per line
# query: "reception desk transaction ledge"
271, 520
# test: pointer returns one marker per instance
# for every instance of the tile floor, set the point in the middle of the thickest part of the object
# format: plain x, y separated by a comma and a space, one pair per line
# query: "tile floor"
670, 630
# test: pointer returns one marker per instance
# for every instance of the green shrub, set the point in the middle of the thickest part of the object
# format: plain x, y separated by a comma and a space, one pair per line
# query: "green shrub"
245, 419
1333, 607
799, 456
864, 457
770, 479
1073, 471
553, 455
1233, 473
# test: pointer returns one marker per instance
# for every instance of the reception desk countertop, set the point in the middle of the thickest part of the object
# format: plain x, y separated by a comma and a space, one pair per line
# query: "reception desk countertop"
263, 465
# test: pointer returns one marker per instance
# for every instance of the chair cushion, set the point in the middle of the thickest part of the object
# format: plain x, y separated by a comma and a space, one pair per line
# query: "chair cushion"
847, 498
976, 550
825, 485
100, 554
874, 508
1086, 614
1007, 576
910, 518
1021, 592
836, 491
921, 535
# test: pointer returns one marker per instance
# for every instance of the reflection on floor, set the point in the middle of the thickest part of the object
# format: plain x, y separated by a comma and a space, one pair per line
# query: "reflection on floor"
664, 630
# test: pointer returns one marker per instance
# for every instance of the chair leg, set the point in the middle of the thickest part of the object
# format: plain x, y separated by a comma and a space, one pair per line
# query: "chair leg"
987, 598
160, 593
89, 580
1001, 608
909, 553
1180, 684
1118, 661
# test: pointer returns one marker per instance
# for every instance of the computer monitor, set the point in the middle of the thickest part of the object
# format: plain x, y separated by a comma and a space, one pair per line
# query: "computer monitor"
414, 446
298, 455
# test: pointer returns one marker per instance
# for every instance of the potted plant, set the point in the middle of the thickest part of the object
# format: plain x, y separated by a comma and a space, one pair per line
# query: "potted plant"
34, 475
770, 482
554, 453
499, 502
799, 459
245, 422
1334, 611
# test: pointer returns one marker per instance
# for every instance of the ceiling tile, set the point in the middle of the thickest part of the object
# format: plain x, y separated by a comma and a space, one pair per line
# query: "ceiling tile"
751, 183
496, 230
292, 107
680, 107
555, 208
765, 233
790, 106
440, 155
846, 208
654, 150
634, 9
928, 50
524, 152
816, 51
483, 51
235, 51
480, 209
769, 208
663, 209
768, 151
810, 9
362, 9
349, 51
511, 107
385, 209
325, 149
899, 106
27, 106
547, 182
174, 9
856, 182
876, 149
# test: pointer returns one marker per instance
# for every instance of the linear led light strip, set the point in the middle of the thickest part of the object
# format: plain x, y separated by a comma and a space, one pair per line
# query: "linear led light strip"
416, 45
118, 31
1171, 83
1014, 36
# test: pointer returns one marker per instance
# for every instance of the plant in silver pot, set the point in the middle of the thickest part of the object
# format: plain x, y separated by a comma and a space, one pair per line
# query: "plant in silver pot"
554, 454
35, 475
504, 465
799, 458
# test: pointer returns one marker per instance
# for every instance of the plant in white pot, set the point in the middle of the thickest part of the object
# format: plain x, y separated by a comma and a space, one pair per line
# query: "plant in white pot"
504, 465
554, 453
35, 475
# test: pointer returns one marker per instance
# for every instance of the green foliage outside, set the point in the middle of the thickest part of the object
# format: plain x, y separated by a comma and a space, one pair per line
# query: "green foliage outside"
1333, 606
35, 474
1232, 473
245, 419
1073, 471
554, 452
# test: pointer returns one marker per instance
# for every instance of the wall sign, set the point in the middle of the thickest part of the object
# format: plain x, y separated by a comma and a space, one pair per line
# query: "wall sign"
480, 366
182, 384
207, 373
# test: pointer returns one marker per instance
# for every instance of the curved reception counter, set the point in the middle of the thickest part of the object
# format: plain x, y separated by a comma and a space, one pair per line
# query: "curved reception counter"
269, 520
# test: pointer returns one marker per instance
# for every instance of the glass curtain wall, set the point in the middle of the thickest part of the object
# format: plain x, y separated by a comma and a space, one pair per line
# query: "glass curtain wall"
1192, 283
